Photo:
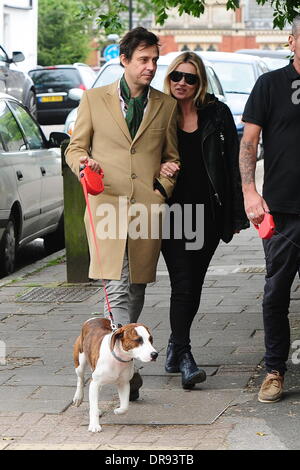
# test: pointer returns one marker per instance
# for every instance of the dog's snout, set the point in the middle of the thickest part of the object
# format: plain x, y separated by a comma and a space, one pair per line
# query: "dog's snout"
154, 356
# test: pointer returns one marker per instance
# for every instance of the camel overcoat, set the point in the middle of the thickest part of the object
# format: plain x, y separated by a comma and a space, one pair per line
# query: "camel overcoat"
130, 168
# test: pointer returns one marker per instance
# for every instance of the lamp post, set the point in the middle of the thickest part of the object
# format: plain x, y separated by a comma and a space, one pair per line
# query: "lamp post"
130, 15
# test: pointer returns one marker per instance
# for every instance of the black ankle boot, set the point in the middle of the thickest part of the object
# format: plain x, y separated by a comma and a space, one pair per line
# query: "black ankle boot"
190, 373
171, 365
135, 384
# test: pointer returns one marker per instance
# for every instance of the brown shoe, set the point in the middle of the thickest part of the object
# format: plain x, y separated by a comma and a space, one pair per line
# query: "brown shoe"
271, 389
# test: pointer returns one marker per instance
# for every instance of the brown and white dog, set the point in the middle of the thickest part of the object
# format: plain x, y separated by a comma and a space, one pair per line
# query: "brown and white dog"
110, 356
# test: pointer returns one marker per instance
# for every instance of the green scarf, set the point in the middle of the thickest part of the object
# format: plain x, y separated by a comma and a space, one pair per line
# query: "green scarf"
135, 107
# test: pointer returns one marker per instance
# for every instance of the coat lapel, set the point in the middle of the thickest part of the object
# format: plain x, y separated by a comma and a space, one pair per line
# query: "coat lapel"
153, 107
113, 104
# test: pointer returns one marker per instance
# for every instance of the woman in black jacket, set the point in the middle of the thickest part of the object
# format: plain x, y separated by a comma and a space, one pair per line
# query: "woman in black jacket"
208, 178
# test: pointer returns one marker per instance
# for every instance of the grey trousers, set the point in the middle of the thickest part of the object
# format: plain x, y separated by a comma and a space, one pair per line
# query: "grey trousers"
126, 300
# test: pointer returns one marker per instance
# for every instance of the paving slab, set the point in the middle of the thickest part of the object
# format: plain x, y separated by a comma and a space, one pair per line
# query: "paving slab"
159, 407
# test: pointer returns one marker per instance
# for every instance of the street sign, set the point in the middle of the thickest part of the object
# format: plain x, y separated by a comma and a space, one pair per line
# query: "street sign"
111, 51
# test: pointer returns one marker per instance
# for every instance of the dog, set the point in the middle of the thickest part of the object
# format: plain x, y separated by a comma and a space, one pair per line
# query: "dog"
110, 355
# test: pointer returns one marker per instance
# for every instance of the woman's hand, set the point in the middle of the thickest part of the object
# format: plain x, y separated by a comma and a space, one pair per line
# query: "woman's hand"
87, 161
169, 169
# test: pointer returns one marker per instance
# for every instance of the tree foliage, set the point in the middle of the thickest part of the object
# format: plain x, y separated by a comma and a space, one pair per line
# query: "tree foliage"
63, 37
284, 10
111, 18
112, 15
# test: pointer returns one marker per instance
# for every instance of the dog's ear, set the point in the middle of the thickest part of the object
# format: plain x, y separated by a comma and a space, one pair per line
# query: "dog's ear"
117, 335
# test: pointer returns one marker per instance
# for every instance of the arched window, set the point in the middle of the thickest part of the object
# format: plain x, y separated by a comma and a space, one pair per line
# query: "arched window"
198, 48
211, 48
185, 48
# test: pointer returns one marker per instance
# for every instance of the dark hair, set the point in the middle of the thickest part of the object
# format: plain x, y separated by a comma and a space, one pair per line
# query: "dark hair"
136, 37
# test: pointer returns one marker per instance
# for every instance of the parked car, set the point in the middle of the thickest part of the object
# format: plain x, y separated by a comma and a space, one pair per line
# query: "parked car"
273, 59
31, 185
15, 82
112, 70
52, 86
238, 74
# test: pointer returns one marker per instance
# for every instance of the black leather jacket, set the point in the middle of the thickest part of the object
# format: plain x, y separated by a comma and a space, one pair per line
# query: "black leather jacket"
220, 149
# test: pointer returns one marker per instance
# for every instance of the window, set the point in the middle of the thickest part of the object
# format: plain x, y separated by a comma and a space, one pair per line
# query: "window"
235, 77
110, 74
31, 130
11, 136
55, 79
216, 88
3, 56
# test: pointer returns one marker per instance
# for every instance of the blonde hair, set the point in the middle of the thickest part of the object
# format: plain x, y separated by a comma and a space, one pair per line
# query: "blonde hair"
196, 61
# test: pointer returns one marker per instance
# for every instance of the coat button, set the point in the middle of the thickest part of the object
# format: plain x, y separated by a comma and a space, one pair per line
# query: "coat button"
132, 151
132, 201
133, 176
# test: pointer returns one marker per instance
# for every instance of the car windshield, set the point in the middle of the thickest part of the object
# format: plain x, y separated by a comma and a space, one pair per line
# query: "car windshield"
59, 79
235, 77
114, 71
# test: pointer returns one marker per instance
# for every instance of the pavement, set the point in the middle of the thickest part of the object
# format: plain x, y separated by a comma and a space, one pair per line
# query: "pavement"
41, 316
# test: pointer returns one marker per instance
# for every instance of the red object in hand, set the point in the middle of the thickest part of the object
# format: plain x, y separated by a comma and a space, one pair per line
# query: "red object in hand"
267, 228
92, 180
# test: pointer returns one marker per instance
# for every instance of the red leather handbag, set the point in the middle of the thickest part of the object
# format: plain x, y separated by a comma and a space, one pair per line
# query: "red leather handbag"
267, 228
92, 180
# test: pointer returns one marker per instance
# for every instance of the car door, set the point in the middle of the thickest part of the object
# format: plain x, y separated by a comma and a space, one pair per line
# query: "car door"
48, 161
26, 170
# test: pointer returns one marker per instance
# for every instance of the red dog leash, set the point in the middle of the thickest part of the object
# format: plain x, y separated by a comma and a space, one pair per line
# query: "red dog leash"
92, 183
267, 229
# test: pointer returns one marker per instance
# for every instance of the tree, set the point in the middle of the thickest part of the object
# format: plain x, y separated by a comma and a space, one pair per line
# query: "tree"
284, 10
110, 11
63, 38
111, 16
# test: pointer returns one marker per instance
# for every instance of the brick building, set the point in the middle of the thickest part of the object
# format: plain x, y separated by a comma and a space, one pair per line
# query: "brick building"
250, 26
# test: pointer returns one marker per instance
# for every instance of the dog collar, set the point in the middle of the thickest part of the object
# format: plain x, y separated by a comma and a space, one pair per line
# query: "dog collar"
118, 358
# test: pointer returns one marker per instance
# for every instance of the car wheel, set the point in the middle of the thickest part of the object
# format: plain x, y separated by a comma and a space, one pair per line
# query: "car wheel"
56, 240
8, 248
31, 104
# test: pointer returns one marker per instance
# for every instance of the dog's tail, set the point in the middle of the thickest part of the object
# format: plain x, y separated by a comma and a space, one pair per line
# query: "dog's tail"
76, 350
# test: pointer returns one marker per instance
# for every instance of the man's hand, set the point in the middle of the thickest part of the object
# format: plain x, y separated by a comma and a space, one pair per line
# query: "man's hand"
169, 169
87, 161
255, 207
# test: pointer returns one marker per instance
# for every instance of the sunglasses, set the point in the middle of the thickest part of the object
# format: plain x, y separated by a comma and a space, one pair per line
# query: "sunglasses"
190, 78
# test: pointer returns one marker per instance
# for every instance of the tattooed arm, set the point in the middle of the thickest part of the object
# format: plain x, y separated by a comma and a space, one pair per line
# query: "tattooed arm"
255, 205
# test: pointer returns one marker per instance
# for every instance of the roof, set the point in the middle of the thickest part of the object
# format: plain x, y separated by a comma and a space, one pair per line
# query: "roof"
163, 59
228, 57
278, 53
5, 95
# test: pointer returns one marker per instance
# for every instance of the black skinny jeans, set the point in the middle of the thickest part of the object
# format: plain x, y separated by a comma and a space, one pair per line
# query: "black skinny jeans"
187, 269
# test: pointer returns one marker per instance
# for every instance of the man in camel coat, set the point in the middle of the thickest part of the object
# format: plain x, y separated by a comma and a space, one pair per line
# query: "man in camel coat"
127, 129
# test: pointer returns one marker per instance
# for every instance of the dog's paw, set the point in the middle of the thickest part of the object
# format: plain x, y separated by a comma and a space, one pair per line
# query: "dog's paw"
77, 401
120, 411
95, 428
